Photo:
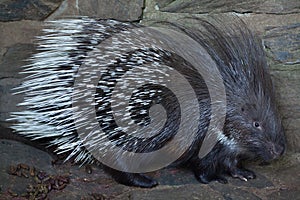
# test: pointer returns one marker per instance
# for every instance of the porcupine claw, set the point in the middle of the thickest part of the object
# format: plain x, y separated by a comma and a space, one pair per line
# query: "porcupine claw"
243, 174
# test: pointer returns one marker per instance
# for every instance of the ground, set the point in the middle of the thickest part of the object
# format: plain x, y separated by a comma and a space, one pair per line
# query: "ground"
27, 172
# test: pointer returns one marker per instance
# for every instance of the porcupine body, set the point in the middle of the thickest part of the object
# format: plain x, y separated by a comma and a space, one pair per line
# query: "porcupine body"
252, 128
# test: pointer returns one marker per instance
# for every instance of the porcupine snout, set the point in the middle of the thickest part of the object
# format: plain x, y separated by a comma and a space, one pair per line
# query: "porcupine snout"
275, 150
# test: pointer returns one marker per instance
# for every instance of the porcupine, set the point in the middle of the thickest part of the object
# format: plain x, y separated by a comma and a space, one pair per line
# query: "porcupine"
252, 128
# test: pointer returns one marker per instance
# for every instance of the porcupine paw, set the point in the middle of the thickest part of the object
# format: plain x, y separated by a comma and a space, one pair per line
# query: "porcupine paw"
143, 181
138, 180
205, 178
243, 174
130, 179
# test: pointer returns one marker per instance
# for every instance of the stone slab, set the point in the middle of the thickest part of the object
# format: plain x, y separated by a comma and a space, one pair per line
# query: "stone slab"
126, 10
16, 10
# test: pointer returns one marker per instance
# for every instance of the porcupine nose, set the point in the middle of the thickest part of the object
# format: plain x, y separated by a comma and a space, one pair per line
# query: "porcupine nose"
276, 150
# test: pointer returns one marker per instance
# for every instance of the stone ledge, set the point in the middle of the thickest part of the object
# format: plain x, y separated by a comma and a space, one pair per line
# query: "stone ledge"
222, 6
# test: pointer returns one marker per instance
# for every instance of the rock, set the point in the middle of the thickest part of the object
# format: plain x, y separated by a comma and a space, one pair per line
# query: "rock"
126, 10
16, 46
285, 194
18, 32
282, 42
13, 153
10, 66
287, 86
15, 57
15, 10
233, 192
181, 192
222, 6
8, 100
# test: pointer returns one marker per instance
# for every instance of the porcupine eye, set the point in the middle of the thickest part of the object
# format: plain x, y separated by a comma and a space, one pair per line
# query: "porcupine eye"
256, 125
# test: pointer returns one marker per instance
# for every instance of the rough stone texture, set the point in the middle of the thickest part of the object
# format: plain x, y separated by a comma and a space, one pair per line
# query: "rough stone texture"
162, 193
16, 46
28, 155
15, 10
282, 42
13, 33
287, 85
222, 6
126, 10
14, 57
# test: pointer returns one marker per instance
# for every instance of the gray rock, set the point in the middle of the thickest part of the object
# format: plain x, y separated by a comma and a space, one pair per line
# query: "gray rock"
284, 194
282, 43
126, 10
196, 191
13, 153
15, 57
18, 32
14, 10
233, 192
280, 180
287, 86
222, 6
10, 66
8, 100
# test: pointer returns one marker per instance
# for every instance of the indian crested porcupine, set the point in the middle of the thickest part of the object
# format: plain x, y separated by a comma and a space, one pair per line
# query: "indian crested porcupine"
119, 93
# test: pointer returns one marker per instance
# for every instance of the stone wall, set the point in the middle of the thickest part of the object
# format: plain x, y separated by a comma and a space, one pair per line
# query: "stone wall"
277, 22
